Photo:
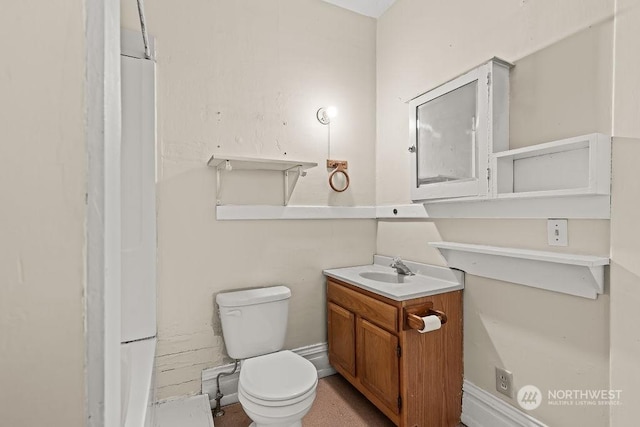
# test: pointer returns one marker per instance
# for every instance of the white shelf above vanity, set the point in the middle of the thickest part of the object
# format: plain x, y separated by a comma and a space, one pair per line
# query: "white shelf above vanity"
568, 178
572, 166
579, 275
291, 169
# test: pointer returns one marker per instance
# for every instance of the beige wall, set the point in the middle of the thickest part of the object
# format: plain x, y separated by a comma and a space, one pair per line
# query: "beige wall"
560, 87
42, 185
625, 280
625, 233
246, 78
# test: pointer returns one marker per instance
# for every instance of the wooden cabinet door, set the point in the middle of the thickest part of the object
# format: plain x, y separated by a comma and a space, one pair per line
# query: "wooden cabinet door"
341, 338
378, 363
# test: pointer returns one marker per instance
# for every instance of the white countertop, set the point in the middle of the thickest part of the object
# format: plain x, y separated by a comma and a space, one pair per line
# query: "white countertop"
428, 280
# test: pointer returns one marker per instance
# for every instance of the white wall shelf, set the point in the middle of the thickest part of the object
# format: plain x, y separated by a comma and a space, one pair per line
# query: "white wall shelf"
269, 212
291, 169
414, 211
572, 166
569, 178
579, 275
575, 206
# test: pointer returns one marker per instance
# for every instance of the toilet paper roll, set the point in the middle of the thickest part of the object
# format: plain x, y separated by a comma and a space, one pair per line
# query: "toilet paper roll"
431, 323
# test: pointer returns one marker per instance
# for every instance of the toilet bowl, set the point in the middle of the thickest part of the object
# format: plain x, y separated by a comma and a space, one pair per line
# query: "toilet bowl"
277, 389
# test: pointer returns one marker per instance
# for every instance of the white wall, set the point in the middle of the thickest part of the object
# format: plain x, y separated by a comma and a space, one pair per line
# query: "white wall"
560, 87
625, 233
42, 240
246, 78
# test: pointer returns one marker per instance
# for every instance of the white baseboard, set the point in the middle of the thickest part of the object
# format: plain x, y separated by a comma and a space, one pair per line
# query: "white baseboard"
482, 409
316, 354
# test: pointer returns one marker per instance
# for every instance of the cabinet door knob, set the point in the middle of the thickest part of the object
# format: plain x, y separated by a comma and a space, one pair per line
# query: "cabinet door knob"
412, 149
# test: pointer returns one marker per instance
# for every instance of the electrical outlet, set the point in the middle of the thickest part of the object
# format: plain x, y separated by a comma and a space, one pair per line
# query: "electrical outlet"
557, 232
504, 382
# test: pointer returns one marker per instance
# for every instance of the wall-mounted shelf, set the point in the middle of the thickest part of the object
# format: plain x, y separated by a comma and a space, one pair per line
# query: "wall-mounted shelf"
414, 211
265, 212
576, 206
569, 178
579, 275
291, 169
572, 166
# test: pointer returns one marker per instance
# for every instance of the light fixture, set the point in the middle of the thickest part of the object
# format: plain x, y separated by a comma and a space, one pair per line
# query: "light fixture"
325, 115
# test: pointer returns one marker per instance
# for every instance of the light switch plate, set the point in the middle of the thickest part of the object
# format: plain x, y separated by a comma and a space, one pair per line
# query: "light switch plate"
557, 234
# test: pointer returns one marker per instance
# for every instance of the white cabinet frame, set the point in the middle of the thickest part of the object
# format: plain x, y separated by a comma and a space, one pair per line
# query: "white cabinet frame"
491, 130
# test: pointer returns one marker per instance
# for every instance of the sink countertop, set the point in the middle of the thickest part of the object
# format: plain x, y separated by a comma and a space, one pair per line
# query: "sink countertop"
428, 280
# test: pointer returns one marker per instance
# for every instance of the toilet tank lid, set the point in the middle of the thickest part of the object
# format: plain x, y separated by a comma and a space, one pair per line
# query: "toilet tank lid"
253, 296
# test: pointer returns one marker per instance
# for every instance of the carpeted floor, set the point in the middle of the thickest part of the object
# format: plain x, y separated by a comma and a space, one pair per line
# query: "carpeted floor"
337, 403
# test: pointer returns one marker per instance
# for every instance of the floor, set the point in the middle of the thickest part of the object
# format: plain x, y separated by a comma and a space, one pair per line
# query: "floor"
337, 404
193, 411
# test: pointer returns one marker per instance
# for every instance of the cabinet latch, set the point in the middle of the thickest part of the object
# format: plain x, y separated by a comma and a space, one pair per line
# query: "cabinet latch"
398, 351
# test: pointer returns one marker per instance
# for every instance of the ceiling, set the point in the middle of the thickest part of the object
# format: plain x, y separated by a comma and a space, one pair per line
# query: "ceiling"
372, 8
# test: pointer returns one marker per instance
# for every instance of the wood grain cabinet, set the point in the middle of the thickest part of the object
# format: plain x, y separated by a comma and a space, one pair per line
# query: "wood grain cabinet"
414, 379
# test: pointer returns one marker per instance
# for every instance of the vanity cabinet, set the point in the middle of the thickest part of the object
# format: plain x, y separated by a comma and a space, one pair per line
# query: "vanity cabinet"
342, 338
414, 379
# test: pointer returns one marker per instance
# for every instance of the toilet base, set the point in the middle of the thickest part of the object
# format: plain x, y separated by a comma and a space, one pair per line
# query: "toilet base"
290, 416
293, 420
295, 424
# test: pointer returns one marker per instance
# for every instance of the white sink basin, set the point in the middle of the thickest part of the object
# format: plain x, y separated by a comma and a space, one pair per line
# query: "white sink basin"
385, 277
383, 280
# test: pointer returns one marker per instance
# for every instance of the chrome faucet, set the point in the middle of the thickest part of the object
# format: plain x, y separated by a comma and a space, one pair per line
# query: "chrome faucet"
400, 267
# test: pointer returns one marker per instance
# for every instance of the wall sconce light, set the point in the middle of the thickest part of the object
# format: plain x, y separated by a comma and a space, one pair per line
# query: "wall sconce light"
325, 115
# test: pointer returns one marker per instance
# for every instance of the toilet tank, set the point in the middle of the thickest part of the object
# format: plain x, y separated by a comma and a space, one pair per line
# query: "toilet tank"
254, 321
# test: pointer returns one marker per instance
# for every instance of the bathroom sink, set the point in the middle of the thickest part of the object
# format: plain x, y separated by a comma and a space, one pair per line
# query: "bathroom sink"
385, 277
380, 279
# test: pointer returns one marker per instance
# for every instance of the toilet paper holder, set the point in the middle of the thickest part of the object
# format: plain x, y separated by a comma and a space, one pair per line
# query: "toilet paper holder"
413, 316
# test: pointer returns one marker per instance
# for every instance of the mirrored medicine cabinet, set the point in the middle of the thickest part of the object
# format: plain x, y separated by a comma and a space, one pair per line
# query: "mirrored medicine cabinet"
453, 129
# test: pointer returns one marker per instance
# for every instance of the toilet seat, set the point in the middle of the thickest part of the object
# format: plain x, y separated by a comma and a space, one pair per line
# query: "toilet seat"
278, 379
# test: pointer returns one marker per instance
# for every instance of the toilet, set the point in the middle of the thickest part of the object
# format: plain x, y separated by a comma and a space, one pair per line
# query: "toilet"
276, 387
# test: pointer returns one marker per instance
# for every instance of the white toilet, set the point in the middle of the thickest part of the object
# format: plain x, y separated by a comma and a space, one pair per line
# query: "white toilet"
276, 388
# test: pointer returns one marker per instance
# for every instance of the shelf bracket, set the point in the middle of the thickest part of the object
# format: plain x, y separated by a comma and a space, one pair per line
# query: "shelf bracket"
290, 179
597, 272
226, 165
218, 186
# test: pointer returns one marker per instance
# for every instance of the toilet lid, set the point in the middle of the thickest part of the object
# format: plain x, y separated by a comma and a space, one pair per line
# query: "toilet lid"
278, 376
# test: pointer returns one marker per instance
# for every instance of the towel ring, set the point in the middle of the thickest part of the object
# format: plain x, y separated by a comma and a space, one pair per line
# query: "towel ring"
346, 176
